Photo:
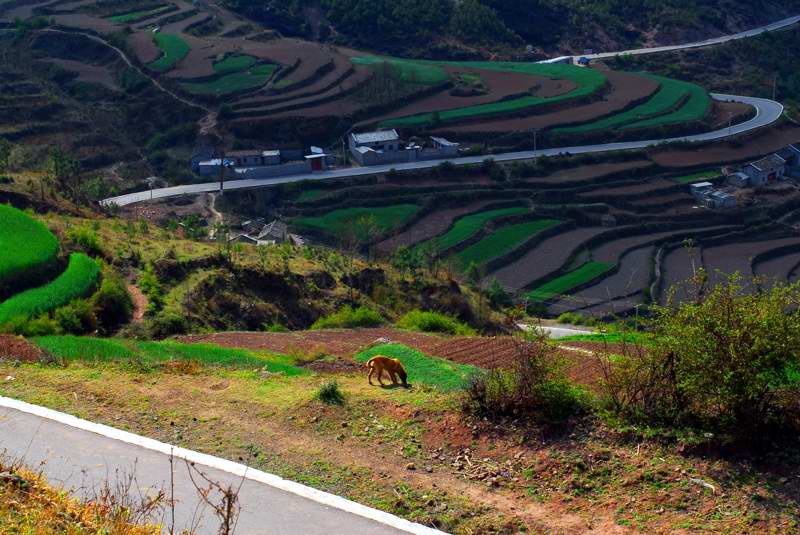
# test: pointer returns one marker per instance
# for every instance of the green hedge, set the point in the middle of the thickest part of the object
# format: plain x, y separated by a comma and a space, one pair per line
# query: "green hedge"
79, 280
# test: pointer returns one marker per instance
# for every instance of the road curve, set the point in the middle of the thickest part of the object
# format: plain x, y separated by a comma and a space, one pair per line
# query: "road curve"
779, 25
767, 113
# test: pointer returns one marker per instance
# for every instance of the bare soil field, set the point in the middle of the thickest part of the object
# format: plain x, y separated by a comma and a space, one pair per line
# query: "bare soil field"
429, 226
501, 86
544, 259
143, 46
750, 147
677, 269
589, 172
783, 268
624, 90
94, 74
17, 348
624, 190
737, 257
632, 277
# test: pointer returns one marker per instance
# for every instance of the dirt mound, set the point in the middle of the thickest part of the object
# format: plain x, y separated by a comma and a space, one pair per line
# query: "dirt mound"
17, 348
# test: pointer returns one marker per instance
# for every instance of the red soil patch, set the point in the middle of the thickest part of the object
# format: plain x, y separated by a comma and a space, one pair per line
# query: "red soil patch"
737, 257
725, 110
752, 147
624, 90
17, 348
139, 302
430, 226
143, 46
483, 352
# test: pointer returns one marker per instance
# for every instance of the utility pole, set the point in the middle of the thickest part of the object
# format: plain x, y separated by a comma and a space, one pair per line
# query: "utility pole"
774, 87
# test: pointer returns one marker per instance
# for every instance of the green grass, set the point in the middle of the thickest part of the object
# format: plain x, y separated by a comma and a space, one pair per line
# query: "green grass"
469, 225
697, 177
616, 337
28, 247
311, 195
588, 82
348, 317
174, 49
411, 71
656, 111
573, 279
77, 348
439, 373
434, 322
135, 16
502, 241
78, 280
234, 63
386, 217
230, 83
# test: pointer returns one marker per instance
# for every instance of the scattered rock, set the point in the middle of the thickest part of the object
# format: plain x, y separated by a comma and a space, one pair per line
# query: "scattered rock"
411, 466
345, 424
429, 469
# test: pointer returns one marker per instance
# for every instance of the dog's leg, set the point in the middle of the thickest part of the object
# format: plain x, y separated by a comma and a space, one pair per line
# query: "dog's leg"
393, 375
371, 371
380, 377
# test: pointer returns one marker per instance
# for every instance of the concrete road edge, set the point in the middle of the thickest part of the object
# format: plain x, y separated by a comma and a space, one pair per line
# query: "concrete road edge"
239, 470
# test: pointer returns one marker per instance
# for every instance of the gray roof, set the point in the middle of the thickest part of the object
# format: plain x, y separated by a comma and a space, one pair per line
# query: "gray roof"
275, 230
789, 152
376, 137
770, 163
444, 142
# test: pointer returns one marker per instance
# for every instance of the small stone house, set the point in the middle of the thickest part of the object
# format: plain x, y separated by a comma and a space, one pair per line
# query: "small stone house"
765, 170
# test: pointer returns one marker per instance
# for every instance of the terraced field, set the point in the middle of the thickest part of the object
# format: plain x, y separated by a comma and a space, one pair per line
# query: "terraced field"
34, 249
386, 218
675, 102
469, 225
502, 241
173, 50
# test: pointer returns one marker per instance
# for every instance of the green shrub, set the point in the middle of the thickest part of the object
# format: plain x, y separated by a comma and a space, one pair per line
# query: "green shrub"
43, 325
720, 363
274, 328
79, 280
533, 387
348, 317
167, 323
76, 317
434, 322
329, 393
86, 239
151, 287
112, 303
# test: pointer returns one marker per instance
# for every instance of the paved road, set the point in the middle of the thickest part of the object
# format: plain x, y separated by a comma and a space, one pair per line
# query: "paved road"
84, 460
699, 44
767, 112
556, 332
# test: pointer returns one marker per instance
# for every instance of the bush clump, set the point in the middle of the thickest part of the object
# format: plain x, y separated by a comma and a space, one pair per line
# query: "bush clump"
721, 363
434, 322
348, 317
330, 393
533, 387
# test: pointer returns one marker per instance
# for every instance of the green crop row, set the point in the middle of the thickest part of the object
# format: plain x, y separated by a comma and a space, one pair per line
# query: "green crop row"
118, 350
28, 248
502, 241
385, 218
697, 177
410, 71
588, 82
466, 227
135, 16
234, 63
229, 83
571, 280
174, 49
78, 280
657, 110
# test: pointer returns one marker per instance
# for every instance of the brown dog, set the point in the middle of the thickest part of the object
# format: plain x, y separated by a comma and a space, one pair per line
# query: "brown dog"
393, 367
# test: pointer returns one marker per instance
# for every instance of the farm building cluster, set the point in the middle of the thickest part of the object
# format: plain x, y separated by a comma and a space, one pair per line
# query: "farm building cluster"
259, 163
258, 232
776, 167
386, 147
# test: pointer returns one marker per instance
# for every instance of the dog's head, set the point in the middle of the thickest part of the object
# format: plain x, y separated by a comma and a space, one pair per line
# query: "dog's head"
401, 371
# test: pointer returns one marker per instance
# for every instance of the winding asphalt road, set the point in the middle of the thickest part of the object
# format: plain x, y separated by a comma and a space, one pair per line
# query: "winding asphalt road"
767, 113
779, 25
83, 456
